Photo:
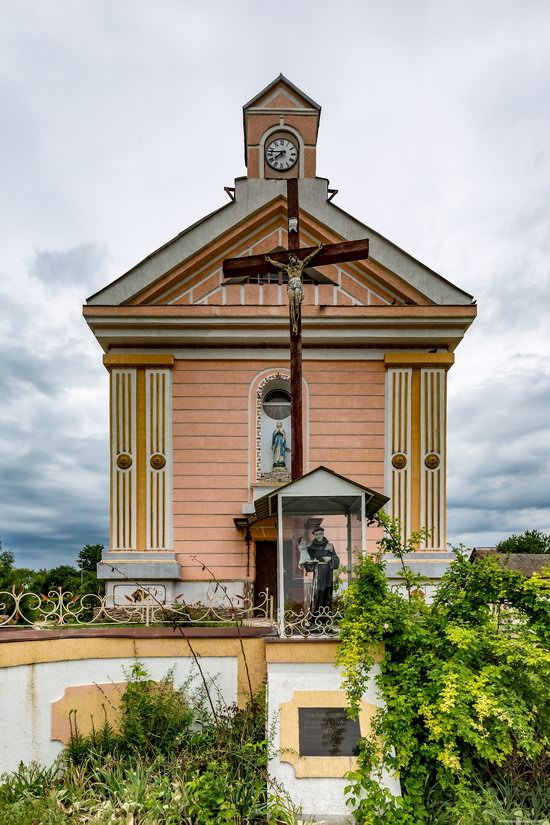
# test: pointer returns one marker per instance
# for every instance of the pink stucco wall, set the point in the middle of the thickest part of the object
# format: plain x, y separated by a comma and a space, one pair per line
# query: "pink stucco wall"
212, 441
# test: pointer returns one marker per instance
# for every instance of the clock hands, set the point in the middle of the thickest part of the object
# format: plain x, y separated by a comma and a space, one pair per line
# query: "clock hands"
281, 154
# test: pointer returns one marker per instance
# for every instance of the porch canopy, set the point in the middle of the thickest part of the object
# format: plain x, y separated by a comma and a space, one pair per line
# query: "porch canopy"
319, 488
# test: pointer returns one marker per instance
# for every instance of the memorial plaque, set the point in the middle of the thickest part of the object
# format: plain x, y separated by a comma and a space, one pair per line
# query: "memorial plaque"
327, 732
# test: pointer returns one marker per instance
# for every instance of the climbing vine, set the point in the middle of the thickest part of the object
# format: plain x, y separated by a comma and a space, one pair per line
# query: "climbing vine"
466, 683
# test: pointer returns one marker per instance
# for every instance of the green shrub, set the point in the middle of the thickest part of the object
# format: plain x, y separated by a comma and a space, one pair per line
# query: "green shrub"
466, 681
156, 716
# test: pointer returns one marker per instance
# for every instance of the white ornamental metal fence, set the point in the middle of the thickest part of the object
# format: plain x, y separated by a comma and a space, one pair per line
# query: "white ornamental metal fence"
61, 608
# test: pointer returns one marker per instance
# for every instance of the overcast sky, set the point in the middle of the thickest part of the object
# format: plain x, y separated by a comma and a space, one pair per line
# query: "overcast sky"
122, 122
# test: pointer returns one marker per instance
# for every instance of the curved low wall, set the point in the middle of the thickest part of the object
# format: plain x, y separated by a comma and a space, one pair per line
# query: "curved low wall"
44, 675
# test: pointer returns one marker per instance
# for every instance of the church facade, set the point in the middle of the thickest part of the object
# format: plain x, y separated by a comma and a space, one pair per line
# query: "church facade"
200, 396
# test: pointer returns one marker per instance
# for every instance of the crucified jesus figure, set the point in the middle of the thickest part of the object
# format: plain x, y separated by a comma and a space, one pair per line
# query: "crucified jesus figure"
294, 269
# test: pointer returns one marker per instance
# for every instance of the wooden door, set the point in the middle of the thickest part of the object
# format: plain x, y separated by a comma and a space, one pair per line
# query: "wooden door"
266, 571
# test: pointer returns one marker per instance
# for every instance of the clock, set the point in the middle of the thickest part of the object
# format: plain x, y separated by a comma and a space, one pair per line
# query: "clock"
281, 154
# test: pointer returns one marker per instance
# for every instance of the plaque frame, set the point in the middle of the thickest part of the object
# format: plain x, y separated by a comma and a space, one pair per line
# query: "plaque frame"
334, 767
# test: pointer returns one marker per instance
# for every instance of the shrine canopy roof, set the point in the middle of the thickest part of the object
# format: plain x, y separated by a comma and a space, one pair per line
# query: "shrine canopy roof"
319, 491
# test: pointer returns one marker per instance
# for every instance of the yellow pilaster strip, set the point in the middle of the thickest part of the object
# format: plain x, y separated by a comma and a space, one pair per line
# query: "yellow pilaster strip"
112, 474
141, 466
433, 456
415, 469
444, 469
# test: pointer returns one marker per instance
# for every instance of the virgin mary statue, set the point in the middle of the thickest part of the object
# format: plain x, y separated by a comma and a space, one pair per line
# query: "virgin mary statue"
278, 445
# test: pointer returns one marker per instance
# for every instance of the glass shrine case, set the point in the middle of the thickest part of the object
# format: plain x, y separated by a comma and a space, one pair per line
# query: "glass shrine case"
321, 532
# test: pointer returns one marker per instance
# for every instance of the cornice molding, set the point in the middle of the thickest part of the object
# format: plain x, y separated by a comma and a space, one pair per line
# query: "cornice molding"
419, 359
138, 360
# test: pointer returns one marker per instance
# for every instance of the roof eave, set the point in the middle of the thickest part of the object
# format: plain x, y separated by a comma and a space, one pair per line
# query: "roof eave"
151, 255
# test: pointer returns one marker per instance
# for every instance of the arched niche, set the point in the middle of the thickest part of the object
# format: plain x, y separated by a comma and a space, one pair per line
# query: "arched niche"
273, 406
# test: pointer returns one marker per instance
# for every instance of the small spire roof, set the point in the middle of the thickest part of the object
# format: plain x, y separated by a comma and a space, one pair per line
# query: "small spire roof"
281, 79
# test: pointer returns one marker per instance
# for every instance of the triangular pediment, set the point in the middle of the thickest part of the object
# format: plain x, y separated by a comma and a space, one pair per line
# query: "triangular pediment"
281, 93
200, 281
188, 269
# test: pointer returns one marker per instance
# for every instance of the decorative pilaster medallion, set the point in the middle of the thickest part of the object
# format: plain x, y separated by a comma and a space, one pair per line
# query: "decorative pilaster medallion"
157, 461
124, 461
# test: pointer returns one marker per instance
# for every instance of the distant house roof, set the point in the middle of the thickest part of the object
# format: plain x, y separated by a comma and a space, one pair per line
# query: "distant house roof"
525, 563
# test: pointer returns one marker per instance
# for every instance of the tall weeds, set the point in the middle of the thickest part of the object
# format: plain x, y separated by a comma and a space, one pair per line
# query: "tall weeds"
170, 762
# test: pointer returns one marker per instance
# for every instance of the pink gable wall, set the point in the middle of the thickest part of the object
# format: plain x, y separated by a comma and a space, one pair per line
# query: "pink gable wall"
211, 440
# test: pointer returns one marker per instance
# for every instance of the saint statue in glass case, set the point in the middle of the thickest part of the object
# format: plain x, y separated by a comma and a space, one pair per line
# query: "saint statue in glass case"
319, 557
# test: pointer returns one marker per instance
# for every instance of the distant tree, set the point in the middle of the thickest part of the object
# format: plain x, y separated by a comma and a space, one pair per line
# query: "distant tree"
23, 578
89, 556
64, 576
20, 578
6, 568
532, 541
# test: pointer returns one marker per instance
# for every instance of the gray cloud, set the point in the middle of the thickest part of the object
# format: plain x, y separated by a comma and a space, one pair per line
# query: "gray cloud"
485, 528
499, 455
83, 265
53, 439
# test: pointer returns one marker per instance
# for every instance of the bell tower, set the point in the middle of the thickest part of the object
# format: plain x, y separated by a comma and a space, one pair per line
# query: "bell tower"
280, 132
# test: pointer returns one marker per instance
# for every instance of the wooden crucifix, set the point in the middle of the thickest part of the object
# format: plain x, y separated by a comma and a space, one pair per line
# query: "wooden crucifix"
293, 262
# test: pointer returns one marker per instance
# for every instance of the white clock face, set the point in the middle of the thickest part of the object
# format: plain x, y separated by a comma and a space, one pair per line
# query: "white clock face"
281, 154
